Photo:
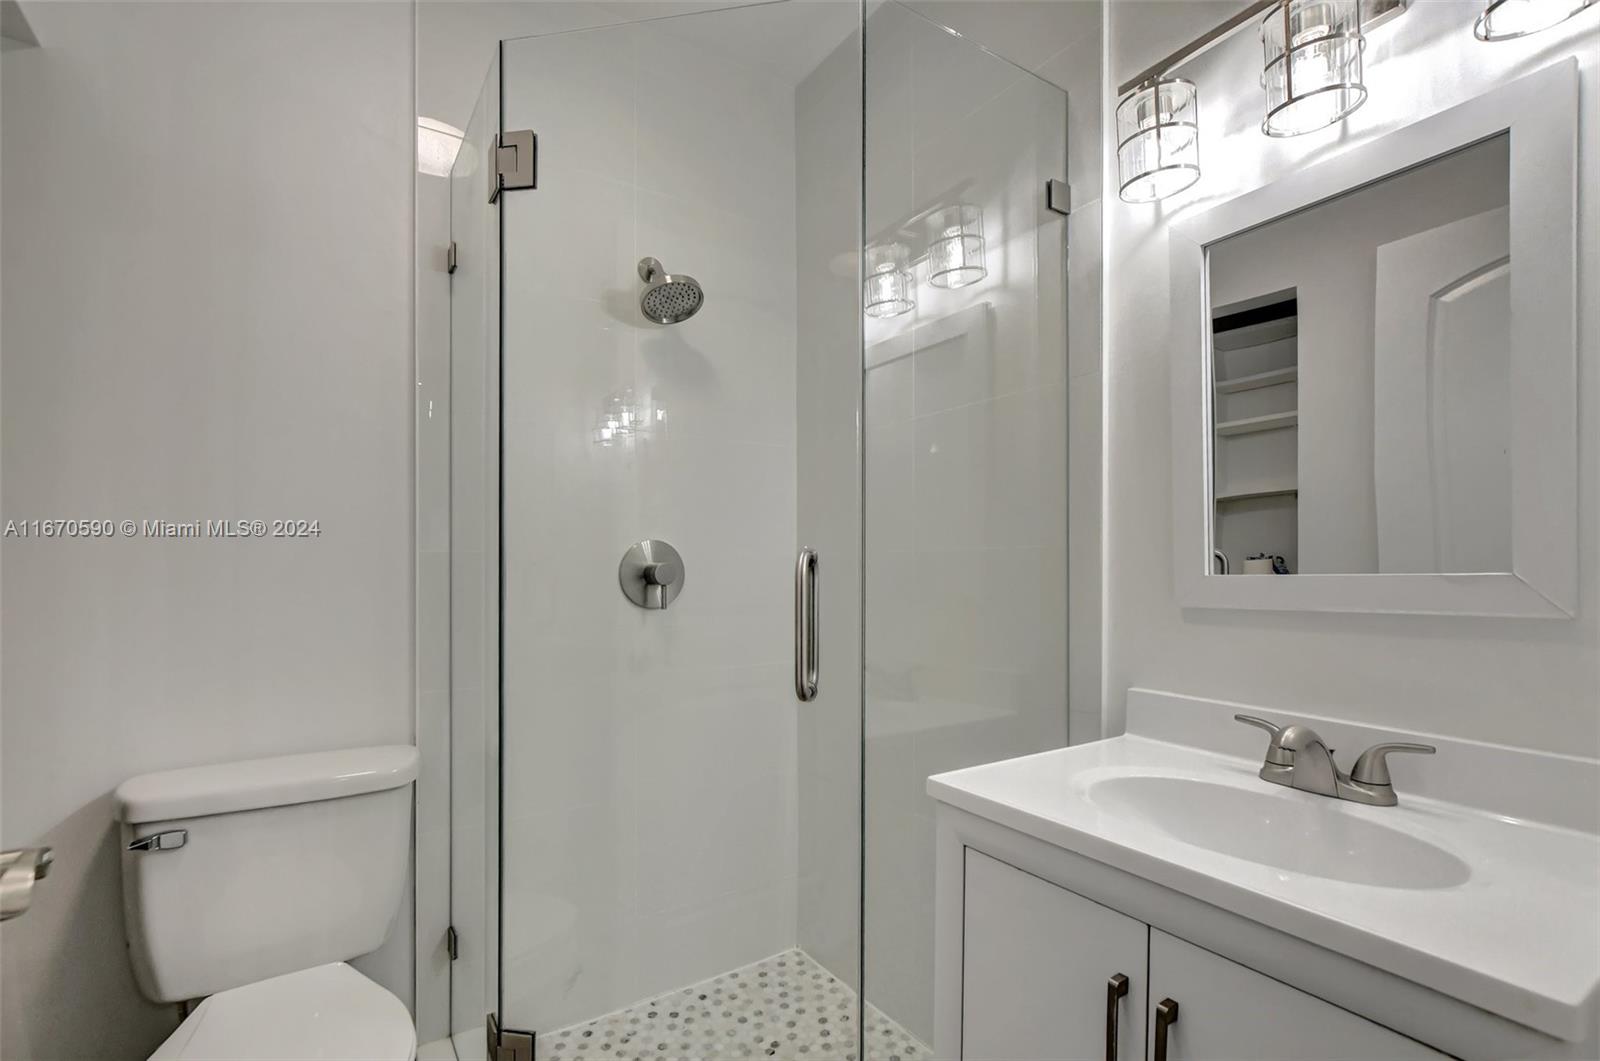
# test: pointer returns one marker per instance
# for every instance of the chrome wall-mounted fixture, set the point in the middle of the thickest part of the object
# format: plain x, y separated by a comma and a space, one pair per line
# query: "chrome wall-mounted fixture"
1158, 140
668, 298
651, 574
955, 246
1504, 20
1312, 65
889, 289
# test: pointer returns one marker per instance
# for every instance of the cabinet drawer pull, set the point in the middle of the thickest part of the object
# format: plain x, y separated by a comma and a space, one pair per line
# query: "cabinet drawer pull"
1116, 988
1166, 1017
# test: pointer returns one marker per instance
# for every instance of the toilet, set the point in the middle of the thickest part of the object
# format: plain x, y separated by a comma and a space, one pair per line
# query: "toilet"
250, 884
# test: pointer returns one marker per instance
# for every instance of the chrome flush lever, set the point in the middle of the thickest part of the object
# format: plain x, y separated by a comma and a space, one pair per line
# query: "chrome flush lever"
170, 840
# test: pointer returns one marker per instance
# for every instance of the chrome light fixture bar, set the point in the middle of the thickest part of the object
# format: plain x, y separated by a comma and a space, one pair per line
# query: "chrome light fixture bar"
1312, 70
1504, 20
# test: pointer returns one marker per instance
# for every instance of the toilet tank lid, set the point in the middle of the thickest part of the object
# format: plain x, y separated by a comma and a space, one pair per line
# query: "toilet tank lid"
225, 788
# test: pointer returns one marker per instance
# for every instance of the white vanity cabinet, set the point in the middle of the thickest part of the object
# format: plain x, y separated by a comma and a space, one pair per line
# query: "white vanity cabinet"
1038, 960
1227, 1011
1037, 983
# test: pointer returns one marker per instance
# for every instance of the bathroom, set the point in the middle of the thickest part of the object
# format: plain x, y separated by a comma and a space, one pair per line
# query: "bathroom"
691, 529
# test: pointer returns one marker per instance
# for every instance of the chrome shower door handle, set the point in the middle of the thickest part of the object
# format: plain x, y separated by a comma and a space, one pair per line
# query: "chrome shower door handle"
805, 625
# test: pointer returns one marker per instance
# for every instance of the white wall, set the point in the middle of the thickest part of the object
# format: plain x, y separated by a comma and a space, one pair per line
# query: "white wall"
206, 313
1521, 682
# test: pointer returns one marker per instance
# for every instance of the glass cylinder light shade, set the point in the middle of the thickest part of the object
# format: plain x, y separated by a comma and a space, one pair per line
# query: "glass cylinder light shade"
955, 246
1312, 74
1504, 20
887, 290
1158, 140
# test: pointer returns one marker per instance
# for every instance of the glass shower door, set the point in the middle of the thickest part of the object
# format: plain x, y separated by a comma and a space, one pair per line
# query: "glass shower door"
680, 395
474, 579
966, 449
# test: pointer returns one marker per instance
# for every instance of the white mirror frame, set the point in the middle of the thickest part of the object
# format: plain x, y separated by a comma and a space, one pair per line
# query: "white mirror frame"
1540, 111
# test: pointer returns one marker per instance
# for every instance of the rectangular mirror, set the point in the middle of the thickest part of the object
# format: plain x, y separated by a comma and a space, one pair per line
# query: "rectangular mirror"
1374, 373
1360, 352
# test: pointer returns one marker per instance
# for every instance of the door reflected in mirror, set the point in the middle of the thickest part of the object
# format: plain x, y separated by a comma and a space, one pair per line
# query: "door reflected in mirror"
1361, 370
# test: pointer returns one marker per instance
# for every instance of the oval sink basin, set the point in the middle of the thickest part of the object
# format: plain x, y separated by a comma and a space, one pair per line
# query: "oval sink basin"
1303, 834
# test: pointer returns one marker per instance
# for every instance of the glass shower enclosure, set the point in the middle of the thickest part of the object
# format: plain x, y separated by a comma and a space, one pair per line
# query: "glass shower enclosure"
757, 376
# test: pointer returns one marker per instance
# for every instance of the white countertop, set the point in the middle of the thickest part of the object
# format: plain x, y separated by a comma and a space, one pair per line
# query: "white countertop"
1519, 936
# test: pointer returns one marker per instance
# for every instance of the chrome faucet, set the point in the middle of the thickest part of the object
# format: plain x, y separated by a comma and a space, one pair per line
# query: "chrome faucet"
1299, 758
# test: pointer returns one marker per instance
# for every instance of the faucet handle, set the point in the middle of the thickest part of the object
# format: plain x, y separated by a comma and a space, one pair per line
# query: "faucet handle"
1276, 753
1373, 766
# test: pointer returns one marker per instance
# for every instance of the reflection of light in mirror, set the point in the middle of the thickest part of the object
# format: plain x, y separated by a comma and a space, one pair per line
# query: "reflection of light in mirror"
1158, 140
623, 419
888, 288
955, 247
1312, 76
437, 144
1504, 20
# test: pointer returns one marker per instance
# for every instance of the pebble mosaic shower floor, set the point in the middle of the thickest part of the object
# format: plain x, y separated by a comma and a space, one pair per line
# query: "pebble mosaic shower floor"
785, 1007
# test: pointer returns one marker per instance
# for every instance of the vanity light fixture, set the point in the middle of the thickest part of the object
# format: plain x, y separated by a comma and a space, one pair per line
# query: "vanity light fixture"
888, 290
1312, 76
1158, 139
955, 246
1504, 20
1312, 72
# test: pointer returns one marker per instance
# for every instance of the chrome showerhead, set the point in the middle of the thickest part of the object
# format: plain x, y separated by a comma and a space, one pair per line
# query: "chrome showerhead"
668, 298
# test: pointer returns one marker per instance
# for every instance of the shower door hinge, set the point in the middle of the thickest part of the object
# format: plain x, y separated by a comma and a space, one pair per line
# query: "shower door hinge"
516, 162
450, 258
452, 943
505, 1044
1058, 197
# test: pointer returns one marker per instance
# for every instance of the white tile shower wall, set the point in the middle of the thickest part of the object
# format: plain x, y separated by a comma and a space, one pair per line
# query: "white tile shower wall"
650, 796
966, 466
1517, 682
215, 325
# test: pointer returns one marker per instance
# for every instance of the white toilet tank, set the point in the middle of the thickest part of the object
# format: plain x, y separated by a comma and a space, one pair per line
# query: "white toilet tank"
241, 871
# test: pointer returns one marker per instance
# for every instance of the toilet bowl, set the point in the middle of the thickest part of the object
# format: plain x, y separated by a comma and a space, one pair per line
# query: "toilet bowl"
248, 885
329, 1013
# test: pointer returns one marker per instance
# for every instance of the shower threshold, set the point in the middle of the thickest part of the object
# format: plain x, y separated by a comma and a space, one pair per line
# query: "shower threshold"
786, 1007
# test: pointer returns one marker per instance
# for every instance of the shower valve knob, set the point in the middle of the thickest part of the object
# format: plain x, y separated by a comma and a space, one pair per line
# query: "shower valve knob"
651, 574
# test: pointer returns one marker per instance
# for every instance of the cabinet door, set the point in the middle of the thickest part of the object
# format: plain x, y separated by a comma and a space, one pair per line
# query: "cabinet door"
1227, 1012
1035, 966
